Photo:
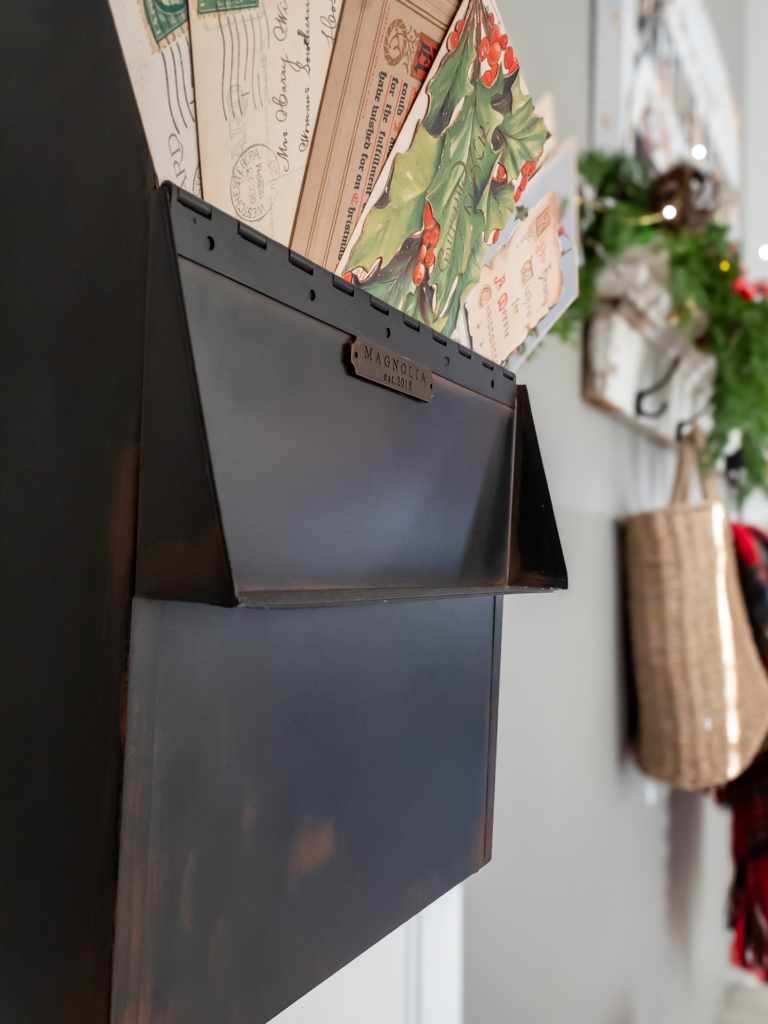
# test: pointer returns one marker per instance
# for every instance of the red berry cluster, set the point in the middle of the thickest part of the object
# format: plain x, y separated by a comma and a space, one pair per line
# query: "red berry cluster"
527, 170
429, 239
748, 289
453, 39
491, 49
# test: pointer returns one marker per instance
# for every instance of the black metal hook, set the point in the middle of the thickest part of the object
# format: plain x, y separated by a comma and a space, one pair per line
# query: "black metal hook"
642, 395
690, 421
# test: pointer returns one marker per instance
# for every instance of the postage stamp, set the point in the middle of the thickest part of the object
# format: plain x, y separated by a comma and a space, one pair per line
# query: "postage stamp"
212, 6
253, 183
165, 16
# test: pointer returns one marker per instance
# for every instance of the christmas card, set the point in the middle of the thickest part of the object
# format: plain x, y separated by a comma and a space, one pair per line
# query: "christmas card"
455, 177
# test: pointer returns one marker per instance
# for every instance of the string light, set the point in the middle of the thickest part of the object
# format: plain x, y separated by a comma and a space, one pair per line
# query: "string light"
699, 151
762, 252
725, 266
669, 212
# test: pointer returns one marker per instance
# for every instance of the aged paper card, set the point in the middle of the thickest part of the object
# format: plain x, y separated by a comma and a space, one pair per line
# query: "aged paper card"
519, 286
154, 37
260, 68
384, 49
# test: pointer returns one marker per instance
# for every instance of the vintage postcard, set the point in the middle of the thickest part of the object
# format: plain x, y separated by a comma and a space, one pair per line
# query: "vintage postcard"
454, 178
519, 286
260, 68
531, 275
154, 37
384, 49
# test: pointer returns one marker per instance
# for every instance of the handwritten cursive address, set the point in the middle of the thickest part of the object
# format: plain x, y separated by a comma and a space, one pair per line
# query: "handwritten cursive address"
329, 23
280, 30
299, 67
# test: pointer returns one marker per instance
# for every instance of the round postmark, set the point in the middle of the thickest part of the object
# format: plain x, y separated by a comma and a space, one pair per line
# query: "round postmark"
253, 185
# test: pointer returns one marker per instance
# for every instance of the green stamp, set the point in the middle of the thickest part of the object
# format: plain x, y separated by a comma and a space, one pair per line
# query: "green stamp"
165, 16
212, 6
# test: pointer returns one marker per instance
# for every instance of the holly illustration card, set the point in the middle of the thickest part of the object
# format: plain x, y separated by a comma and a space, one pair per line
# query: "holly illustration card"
454, 179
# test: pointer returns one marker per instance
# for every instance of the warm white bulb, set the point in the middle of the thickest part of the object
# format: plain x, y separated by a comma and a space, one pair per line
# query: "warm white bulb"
762, 252
669, 212
699, 151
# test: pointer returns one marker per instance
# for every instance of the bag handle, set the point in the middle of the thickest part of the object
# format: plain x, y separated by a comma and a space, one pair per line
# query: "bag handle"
688, 449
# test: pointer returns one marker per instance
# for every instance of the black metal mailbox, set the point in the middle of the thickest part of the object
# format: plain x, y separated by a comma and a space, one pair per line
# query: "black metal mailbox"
312, 763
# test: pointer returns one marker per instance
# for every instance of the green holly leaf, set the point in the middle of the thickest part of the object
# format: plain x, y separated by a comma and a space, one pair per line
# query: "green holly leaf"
520, 137
498, 207
393, 281
399, 211
466, 164
454, 81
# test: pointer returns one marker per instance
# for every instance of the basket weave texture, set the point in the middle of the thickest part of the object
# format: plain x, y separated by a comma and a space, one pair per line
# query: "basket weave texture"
702, 689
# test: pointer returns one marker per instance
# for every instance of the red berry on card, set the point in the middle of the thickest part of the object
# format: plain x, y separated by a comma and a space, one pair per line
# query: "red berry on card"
495, 34
482, 50
429, 220
453, 42
430, 257
418, 274
347, 277
510, 61
494, 237
500, 174
434, 235
491, 17
518, 193
504, 40
460, 26
524, 183
422, 253
495, 52
490, 75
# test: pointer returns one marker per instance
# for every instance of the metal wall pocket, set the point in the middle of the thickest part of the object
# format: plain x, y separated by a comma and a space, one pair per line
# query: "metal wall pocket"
387, 368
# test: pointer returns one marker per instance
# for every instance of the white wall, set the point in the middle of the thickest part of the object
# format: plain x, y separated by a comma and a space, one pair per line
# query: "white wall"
604, 902
413, 976
755, 198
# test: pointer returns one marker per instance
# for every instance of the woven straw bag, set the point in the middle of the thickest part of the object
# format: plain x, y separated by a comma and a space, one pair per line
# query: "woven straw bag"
702, 690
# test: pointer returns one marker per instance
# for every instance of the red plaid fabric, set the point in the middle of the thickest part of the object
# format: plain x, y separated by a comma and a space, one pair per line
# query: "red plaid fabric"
748, 910
748, 795
752, 556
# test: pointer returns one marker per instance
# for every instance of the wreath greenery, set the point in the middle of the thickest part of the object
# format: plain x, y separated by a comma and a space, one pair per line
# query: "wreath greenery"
620, 209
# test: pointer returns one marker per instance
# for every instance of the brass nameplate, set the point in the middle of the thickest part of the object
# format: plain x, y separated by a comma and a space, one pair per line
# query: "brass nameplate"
384, 367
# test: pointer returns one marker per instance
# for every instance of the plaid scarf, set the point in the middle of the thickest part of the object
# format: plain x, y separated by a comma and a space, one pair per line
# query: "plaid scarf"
752, 556
748, 904
748, 795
